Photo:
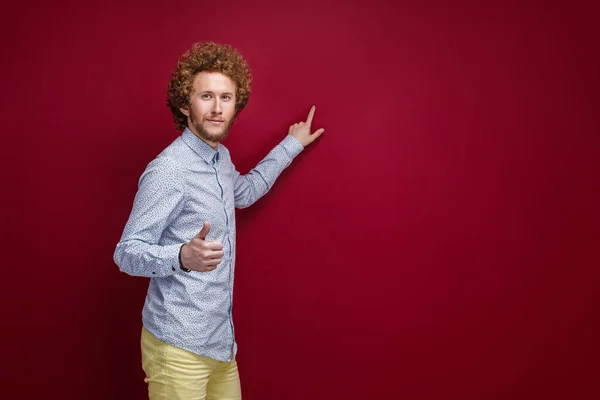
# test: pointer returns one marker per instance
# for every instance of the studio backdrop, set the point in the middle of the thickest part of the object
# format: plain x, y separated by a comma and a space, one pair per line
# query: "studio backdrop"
440, 240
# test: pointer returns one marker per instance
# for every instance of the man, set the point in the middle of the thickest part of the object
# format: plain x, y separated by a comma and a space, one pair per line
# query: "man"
181, 231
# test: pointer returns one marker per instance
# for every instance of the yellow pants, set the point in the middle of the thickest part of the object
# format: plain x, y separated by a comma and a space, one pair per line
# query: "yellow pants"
176, 374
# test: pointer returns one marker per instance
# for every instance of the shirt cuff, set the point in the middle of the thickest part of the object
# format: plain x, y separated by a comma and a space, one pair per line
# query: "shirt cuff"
170, 260
292, 146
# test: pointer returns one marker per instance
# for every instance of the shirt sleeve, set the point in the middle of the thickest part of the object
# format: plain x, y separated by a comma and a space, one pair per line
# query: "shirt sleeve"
160, 198
252, 186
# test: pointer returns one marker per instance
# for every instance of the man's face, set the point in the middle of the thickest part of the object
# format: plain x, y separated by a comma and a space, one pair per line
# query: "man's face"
212, 107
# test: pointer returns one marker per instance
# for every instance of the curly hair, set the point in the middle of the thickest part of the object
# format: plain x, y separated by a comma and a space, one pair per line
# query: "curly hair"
209, 57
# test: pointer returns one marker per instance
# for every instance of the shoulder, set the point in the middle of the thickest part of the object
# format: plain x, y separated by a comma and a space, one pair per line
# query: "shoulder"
164, 170
176, 157
176, 153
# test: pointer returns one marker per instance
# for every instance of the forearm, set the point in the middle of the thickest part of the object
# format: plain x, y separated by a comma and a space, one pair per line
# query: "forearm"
137, 258
252, 186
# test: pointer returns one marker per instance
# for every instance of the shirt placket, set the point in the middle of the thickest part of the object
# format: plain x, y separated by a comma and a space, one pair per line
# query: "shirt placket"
215, 165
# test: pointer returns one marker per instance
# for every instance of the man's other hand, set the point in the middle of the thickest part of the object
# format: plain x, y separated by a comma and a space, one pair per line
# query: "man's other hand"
301, 130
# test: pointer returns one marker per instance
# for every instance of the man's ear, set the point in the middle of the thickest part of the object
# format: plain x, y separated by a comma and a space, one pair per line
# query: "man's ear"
185, 111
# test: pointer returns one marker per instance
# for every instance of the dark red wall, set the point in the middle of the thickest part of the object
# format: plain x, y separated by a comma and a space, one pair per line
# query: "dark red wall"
441, 240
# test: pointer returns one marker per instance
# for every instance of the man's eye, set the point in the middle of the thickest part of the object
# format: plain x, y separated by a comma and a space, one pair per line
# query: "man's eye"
206, 96
226, 97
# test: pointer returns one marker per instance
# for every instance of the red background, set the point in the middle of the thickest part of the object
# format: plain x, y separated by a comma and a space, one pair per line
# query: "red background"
439, 241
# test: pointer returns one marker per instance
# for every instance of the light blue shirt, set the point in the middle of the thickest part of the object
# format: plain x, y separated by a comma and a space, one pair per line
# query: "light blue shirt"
186, 184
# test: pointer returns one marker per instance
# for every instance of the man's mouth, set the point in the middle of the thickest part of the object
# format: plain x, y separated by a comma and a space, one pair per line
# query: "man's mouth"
216, 121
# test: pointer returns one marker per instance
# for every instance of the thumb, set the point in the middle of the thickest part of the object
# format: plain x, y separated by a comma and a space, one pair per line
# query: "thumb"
205, 229
315, 135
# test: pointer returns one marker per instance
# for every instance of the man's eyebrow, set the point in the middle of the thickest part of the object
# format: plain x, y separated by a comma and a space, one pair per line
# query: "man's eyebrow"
211, 92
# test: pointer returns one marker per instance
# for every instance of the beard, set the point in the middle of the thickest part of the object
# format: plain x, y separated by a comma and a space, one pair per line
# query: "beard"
204, 134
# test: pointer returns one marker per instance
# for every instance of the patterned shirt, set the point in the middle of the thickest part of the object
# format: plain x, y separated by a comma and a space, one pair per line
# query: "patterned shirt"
187, 183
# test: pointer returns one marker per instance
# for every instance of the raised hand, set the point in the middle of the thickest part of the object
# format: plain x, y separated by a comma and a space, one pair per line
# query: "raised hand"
200, 254
301, 130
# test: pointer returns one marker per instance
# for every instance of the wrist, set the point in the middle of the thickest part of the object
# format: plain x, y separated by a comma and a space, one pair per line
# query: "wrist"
292, 145
181, 262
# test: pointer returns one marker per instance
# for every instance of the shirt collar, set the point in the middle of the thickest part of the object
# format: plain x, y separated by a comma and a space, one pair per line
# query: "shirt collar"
200, 147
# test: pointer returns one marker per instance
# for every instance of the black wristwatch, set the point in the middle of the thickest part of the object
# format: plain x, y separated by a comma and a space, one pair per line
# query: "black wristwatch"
180, 263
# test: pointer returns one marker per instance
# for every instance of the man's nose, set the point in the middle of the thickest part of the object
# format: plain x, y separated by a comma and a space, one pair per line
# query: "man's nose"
217, 107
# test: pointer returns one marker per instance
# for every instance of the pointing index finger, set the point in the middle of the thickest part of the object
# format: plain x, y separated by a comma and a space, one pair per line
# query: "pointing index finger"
311, 114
